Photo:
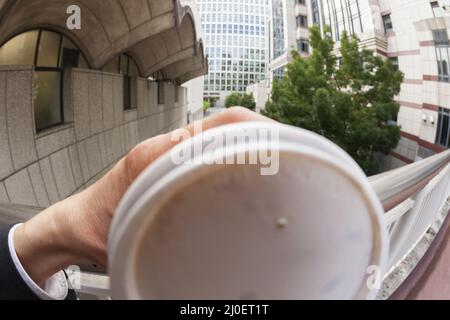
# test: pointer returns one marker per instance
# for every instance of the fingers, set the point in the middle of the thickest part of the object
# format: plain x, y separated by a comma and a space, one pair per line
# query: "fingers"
148, 151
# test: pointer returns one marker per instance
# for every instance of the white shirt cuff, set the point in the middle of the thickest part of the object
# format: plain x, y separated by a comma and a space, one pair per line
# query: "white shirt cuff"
56, 288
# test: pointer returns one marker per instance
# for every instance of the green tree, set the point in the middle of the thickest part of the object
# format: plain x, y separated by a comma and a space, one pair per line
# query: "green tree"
233, 100
206, 105
245, 100
248, 101
349, 101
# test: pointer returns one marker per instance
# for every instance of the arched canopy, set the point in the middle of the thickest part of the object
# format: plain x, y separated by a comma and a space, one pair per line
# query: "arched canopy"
181, 70
157, 33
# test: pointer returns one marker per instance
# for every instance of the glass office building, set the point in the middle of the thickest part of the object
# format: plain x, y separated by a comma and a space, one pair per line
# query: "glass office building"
235, 35
278, 28
341, 15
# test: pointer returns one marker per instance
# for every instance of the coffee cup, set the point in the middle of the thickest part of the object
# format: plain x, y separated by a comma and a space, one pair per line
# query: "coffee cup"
200, 224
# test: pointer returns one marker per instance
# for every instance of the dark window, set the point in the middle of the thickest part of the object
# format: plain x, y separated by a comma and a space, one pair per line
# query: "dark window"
388, 27
70, 58
160, 92
50, 53
440, 37
437, 10
303, 45
300, 2
394, 61
129, 69
302, 21
443, 132
442, 54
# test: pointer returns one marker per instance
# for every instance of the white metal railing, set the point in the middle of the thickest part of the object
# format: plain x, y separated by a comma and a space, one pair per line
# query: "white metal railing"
408, 228
415, 198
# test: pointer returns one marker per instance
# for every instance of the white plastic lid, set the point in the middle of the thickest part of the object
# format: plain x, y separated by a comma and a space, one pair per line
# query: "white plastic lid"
195, 231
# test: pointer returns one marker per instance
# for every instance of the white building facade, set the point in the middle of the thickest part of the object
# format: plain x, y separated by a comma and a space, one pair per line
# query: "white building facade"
413, 34
289, 30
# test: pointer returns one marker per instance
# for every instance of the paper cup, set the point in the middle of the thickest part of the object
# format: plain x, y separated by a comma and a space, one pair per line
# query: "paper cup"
314, 230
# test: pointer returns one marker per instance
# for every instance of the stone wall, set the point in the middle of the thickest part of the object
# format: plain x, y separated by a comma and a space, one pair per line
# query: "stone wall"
41, 169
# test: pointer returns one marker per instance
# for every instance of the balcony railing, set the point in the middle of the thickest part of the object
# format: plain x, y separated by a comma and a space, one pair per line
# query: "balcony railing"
416, 201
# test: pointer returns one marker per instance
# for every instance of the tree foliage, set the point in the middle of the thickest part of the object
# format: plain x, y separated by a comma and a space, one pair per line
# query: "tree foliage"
235, 99
349, 100
206, 105
248, 101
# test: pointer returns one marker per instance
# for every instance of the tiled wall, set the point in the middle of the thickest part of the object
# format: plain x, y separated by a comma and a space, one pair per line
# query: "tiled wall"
421, 93
41, 169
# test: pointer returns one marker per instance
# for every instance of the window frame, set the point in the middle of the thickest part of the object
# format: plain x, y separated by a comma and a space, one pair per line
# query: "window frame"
303, 43
391, 29
127, 79
442, 51
302, 21
440, 37
61, 102
442, 112
437, 9
58, 69
395, 62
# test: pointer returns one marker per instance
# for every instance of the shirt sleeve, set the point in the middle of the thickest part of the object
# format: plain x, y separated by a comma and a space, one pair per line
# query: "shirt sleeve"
56, 288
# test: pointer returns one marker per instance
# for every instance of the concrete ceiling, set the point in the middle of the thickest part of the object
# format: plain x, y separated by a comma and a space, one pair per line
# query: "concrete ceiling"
157, 33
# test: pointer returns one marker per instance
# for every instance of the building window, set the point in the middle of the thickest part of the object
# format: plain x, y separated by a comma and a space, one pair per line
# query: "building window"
126, 66
302, 21
302, 2
440, 37
315, 12
443, 61
387, 22
442, 54
303, 45
278, 28
129, 69
278, 74
394, 61
50, 53
160, 92
437, 10
443, 128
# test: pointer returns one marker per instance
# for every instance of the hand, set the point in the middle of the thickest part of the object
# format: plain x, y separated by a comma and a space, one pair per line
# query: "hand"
76, 229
